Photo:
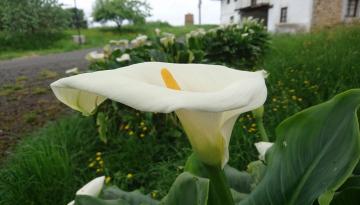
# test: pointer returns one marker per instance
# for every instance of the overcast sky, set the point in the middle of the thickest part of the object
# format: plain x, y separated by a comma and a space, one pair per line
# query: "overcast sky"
172, 11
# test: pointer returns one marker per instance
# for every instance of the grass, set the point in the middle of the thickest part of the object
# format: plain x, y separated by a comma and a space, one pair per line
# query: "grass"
23, 46
51, 164
307, 69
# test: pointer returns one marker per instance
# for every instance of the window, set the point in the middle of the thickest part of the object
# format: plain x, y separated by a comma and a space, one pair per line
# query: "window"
231, 19
352, 7
283, 15
228, 1
253, 2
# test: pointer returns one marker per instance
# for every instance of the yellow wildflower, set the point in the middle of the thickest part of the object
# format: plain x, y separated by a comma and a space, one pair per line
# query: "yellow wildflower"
129, 176
127, 127
154, 194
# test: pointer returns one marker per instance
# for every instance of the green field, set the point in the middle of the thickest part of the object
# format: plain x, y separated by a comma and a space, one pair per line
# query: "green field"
50, 165
22, 46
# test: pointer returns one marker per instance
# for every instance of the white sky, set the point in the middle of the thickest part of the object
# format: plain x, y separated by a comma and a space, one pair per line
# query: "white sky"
172, 11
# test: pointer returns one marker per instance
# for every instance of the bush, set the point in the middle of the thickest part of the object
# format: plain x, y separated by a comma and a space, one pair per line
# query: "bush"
239, 46
27, 17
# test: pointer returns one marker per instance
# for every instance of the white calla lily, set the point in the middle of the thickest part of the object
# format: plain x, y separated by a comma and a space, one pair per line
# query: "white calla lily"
262, 148
93, 188
95, 56
124, 57
206, 98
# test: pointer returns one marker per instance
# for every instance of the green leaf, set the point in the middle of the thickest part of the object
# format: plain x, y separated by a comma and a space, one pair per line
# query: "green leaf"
316, 151
240, 181
188, 189
102, 123
132, 198
326, 198
219, 190
89, 200
237, 196
115, 196
257, 170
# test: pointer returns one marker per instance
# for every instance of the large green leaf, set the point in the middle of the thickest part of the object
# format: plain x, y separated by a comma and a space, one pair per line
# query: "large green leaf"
316, 151
115, 196
188, 189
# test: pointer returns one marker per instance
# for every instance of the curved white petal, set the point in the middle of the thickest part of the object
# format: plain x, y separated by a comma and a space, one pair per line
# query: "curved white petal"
210, 99
209, 88
93, 188
262, 147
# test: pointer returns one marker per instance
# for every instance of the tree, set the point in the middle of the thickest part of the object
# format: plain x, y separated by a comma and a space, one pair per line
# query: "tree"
120, 10
19, 17
77, 16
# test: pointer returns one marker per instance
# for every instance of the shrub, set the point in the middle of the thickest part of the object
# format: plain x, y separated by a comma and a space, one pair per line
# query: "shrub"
26, 17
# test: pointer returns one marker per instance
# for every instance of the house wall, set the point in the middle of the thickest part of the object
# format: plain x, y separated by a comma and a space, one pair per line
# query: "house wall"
328, 12
228, 10
299, 15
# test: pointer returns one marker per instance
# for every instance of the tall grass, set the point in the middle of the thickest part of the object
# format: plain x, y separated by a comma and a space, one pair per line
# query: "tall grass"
44, 168
307, 69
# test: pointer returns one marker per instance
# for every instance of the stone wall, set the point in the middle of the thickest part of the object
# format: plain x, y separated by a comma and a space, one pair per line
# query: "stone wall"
327, 13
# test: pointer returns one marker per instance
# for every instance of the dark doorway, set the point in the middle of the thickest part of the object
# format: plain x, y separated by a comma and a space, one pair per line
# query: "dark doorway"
257, 12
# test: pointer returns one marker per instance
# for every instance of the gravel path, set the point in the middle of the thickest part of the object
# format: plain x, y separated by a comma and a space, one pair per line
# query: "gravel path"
30, 67
26, 101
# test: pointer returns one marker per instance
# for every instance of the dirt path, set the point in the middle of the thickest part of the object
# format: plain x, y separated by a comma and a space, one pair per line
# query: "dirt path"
26, 102
11, 69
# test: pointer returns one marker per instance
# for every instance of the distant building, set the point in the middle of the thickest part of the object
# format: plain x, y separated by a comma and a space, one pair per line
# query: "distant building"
189, 19
291, 15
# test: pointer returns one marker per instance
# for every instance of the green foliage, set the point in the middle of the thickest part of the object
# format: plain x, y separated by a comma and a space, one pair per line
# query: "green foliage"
115, 196
120, 10
28, 17
308, 69
316, 150
199, 47
47, 164
39, 44
77, 18
239, 46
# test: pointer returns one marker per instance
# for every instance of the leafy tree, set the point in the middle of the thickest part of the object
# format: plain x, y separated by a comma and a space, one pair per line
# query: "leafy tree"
120, 10
19, 17
77, 16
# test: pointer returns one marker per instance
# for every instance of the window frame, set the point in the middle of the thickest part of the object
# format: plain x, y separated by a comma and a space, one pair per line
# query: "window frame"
283, 14
352, 8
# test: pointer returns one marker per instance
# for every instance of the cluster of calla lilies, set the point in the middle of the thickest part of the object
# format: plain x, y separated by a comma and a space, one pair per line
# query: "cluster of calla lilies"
207, 99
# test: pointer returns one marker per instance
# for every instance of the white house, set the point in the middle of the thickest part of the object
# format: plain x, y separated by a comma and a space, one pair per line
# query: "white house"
291, 15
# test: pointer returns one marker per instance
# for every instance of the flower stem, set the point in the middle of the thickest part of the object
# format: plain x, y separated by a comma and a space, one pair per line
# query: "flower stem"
219, 192
259, 114
260, 124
